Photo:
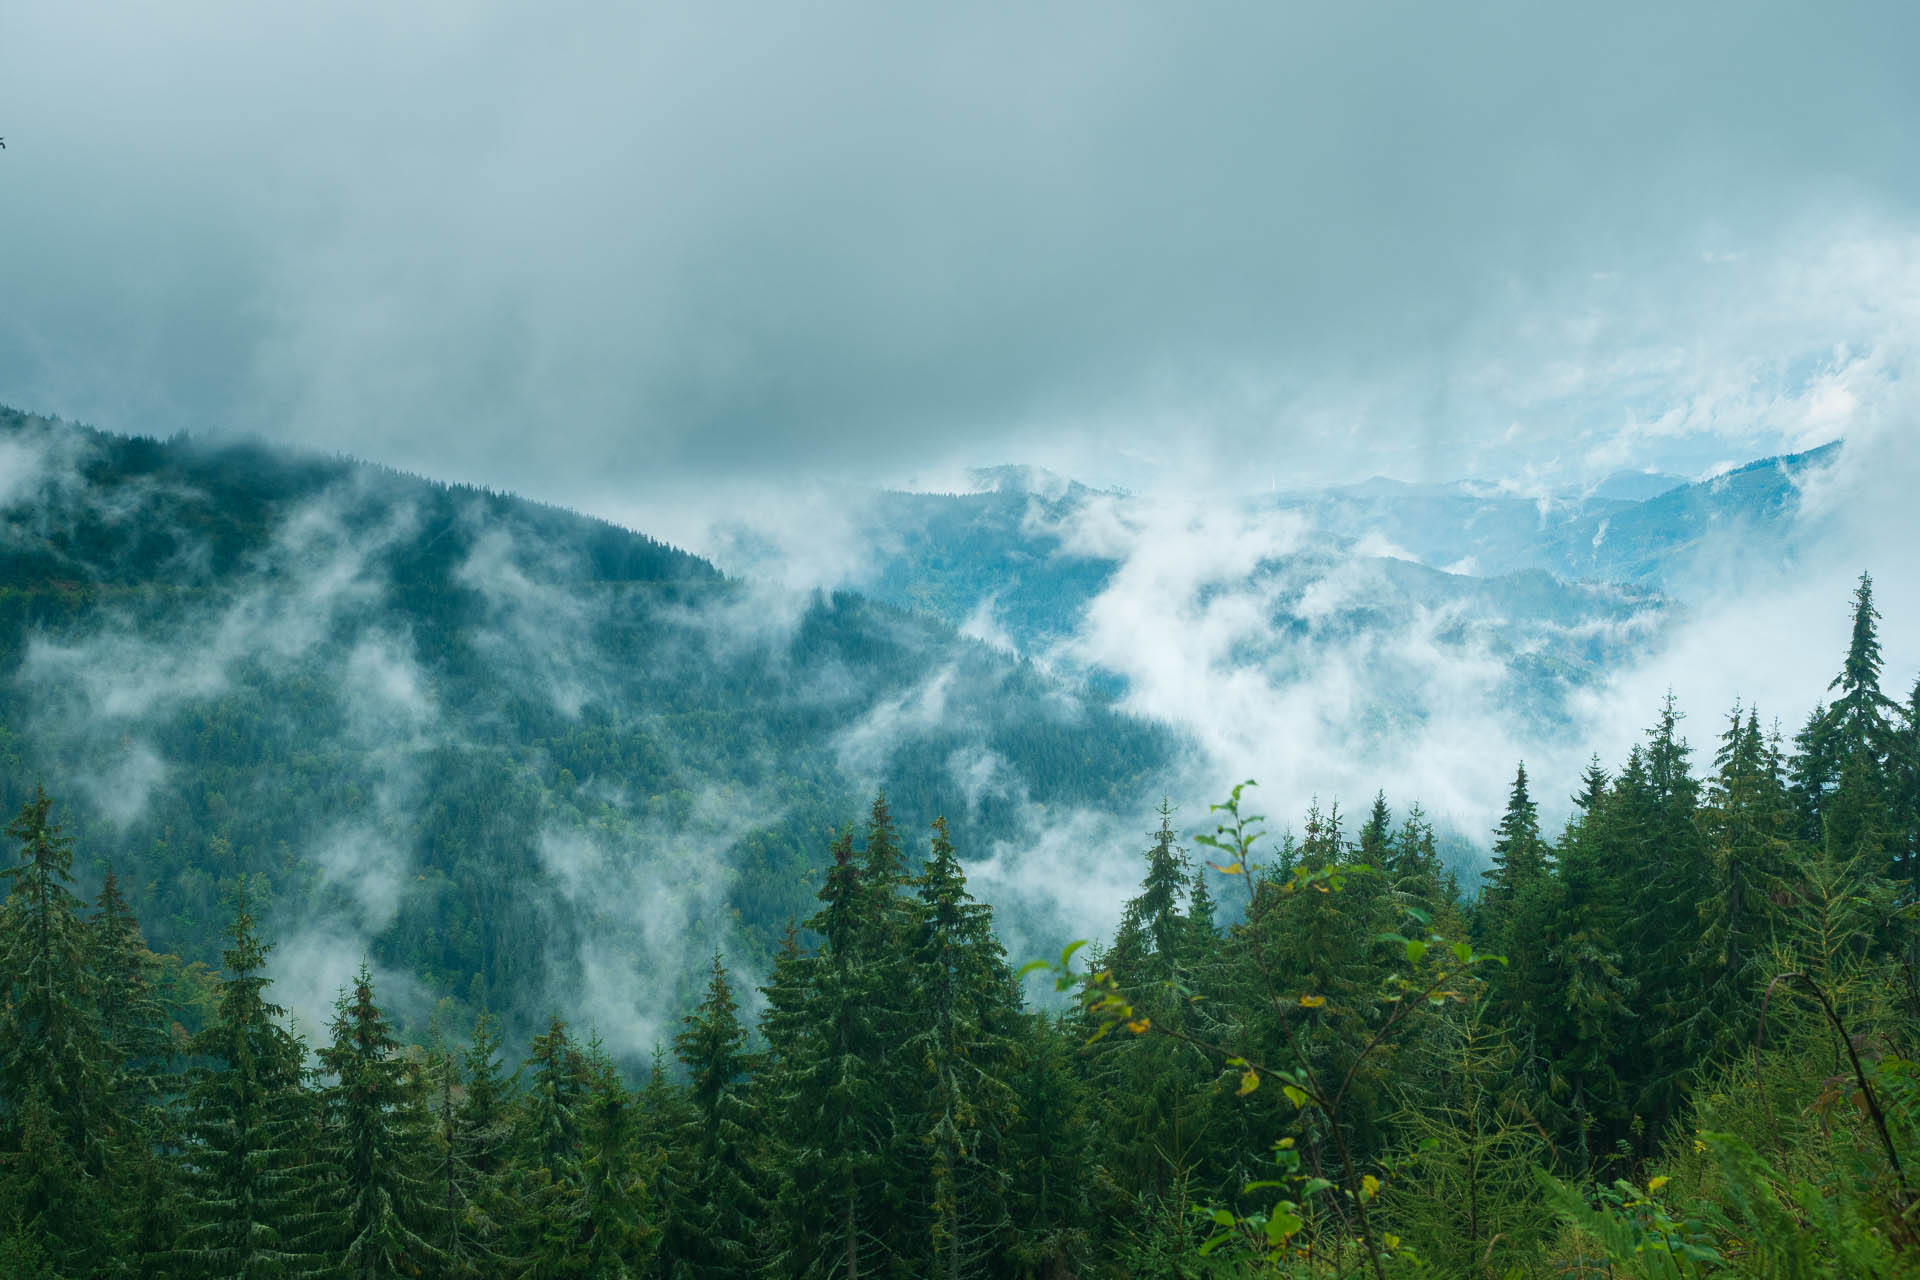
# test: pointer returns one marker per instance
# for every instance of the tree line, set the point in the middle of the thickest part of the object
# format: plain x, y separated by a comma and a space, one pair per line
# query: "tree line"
1674, 1039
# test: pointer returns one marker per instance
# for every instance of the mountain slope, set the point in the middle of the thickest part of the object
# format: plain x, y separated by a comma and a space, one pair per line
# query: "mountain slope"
510, 752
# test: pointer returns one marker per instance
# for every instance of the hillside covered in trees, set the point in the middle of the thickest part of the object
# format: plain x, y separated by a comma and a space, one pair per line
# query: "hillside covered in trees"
1673, 1039
469, 737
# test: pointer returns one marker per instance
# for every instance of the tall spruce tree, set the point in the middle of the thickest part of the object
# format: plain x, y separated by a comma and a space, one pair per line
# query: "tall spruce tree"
1050, 1195
374, 1139
133, 1029
1748, 820
1854, 732
1520, 856
1586, 1024
715, 1228
966, 1007
837, 1209
247, 1172
1666, 873
59, 1091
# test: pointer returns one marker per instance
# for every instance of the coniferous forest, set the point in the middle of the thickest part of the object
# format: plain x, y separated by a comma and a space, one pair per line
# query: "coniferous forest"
1675, 1038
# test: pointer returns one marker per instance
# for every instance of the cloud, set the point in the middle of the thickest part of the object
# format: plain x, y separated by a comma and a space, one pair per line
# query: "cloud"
641, 905
597, 251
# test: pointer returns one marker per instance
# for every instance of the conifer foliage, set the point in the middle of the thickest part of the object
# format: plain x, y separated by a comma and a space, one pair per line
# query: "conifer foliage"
1675, 1037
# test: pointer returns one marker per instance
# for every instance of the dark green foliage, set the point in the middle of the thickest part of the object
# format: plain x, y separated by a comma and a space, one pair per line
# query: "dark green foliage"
62, 1110
248, 1174
374, 1136
553, 673
712, 1227
1693, 1055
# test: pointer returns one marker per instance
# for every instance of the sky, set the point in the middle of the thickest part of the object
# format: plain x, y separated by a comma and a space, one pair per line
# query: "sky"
696, 265
615, 255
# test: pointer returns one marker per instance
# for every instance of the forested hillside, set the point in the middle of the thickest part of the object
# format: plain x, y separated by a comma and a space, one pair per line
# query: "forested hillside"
1673, 1039
506, 753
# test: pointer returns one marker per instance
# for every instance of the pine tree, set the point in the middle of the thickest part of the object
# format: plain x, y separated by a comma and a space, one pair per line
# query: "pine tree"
596, 1224
1519, 855
471, 1104
1412, 863
1856, 730
1748, 821
836, 1208
246, 1174
374, 1145
1665, 873
1049, 1156
1376, 834
547, 1141
1586, 1023
58, 1085
1148, 944
1154, 1142
133, 1032
967, 1004
714, 1230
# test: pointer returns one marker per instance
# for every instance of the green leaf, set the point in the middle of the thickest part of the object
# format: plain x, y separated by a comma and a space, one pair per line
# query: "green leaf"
1415, 949
1295, 1094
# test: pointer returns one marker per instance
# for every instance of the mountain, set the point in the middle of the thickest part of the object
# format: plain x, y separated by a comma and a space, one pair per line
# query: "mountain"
1631, 528
516, 755
1034, 567
1027, 555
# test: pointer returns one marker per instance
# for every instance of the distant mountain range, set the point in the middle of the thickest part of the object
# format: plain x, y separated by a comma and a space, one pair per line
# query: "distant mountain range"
1010, 548
516, 755
522, 757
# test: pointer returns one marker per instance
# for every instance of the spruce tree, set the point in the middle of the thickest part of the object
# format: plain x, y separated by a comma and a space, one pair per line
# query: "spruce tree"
1519, 855
471, 1101
59, 1085
133, 1030
1665, 873
1153, 1143
836, 1211
247, 1175
596, 1225
1585, 1024
1748, 820
374, 1138
1049, 1153
1855, 731
715, 1229
966, 1004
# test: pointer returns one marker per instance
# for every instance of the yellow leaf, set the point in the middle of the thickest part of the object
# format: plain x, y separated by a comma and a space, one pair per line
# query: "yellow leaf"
1249, 1082
1369, 1187
1231, 869
1658, 1183
1139, 1025
1312, 1002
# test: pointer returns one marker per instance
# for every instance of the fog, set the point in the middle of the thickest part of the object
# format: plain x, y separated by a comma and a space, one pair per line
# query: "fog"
720, 273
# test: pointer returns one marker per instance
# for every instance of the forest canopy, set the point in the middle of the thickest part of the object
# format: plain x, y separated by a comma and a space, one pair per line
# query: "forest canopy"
1674, 1038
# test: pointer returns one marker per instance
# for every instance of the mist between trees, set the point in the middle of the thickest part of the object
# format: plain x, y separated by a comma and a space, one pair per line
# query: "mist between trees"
1673, 1039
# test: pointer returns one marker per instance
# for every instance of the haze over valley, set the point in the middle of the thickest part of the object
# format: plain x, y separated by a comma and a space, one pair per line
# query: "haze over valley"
857, 641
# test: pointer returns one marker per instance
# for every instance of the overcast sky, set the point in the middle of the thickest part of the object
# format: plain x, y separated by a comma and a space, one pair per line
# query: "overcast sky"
597, 251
